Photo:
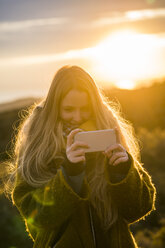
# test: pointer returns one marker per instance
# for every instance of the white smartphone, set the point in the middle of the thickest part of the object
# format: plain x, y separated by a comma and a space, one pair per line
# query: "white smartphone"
97, 140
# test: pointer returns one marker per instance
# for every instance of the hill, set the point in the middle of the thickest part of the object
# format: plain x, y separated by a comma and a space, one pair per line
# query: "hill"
143, 107
9, 117
16, 105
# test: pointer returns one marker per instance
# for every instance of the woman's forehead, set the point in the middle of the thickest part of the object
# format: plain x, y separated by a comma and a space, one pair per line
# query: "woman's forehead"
76, 97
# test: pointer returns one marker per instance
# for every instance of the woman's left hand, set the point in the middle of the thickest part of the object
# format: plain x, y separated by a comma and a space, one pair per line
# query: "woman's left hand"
116, 154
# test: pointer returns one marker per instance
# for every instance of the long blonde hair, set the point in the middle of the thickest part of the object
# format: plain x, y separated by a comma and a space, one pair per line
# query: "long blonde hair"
40, 142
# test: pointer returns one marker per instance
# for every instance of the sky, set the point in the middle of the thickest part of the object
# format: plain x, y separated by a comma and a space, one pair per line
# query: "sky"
120, 43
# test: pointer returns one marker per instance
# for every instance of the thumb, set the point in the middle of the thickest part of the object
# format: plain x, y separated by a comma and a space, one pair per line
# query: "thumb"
70, 137
118, 138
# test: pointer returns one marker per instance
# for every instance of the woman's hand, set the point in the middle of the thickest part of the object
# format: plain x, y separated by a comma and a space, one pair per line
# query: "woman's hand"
75, 151
116, 153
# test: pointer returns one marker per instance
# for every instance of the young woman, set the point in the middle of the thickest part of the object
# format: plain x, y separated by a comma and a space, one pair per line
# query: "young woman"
69, 198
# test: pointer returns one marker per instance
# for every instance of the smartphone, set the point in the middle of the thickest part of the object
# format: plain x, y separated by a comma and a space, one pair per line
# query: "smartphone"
97, 140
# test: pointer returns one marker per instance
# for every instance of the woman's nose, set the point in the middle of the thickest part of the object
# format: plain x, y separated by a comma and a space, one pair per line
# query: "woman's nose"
77, 117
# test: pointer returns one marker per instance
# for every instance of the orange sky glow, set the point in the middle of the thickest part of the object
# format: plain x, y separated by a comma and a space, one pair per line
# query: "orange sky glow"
124, 49
127, 57
123, 58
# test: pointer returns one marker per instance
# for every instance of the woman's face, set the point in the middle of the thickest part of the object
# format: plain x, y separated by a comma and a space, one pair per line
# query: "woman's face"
75, 107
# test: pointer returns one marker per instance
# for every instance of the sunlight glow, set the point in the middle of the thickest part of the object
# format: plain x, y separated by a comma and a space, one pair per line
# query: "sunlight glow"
125, 84
123, 58
126, 55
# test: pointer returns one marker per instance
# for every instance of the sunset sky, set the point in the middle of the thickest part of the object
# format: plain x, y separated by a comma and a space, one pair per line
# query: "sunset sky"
120, 43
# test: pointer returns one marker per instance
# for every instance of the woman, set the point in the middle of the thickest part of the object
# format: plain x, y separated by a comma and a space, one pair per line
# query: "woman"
69, 198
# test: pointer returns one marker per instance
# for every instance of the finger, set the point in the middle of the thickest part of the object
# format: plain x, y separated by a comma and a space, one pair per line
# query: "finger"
118, 138
78, 144
78, 159
114, 147
70, 137
120, 160
79, 152
117, 156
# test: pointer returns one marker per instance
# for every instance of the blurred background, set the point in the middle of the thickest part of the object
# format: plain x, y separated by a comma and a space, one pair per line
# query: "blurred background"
122, 45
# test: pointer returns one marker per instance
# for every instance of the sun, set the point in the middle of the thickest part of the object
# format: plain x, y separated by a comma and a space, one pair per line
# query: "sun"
125, 84
124, 57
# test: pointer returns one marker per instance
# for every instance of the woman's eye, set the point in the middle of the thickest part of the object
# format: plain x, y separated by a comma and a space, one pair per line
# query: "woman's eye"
68, 110
81, 110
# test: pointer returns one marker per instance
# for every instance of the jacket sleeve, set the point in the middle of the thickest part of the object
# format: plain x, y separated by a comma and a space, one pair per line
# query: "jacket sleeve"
134, 195
48, 206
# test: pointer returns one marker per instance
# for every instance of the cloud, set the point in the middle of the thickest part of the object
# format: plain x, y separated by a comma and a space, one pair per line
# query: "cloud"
157, 41
129, 16
25, 24
41, 59
113, 18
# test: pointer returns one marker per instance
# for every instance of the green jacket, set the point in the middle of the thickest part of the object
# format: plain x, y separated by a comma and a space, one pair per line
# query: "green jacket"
55, 215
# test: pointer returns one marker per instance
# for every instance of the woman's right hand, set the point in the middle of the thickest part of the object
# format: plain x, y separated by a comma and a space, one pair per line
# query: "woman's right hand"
75, 151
